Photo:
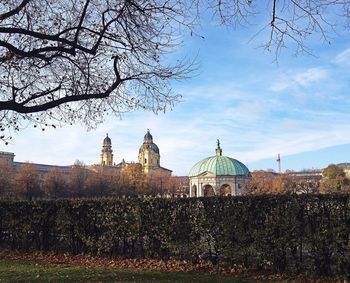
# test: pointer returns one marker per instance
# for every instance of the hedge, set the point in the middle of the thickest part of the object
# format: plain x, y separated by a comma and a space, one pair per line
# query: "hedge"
283, 233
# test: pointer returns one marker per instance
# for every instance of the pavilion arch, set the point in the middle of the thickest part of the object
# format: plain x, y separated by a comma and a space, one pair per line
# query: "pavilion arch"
225, 190
208, 191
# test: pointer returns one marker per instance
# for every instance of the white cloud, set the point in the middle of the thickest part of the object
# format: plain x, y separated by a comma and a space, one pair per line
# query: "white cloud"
311, 75
299, 137
343, 57
300, 79
186, 138
251, 122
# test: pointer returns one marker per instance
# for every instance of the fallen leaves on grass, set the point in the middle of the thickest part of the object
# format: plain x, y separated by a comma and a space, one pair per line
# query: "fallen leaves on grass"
171, 265
89, 261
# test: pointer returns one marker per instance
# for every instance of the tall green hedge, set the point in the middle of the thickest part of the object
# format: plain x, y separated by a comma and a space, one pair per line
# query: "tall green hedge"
287, 233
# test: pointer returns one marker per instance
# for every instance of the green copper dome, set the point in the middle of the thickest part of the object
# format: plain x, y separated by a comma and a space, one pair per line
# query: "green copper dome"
219, 166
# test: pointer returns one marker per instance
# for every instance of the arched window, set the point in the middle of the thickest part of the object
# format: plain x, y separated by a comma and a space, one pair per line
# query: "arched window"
225, 190
208, 191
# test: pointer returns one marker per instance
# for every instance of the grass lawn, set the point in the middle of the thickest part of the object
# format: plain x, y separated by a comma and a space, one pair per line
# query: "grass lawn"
21, 271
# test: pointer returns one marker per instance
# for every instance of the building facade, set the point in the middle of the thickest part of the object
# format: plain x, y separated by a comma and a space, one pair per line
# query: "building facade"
148, 155
6, 159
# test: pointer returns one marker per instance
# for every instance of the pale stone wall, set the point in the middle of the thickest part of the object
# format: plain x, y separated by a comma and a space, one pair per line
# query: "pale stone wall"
236, 184
106, 158
149, 160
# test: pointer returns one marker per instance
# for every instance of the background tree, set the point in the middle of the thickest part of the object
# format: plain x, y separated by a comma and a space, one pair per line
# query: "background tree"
260, 183
6, 180
333, 172
157, 183
294, 184
99, 184
176, 185
67, 61
263, 182
77, 180
135, 179
119, 184
27, 182
55, 184
334, 180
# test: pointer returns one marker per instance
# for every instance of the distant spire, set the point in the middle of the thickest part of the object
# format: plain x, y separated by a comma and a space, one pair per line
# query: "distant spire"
218, 150
279, 163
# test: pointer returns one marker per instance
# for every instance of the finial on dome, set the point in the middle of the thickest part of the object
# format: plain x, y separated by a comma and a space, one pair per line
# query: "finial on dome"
218, 150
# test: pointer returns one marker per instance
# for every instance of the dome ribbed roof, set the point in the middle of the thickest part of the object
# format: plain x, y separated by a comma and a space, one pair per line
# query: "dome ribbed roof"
219, 166
149, 146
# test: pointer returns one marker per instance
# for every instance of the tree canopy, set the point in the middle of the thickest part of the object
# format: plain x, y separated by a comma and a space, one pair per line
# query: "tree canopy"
335, 180
68, 61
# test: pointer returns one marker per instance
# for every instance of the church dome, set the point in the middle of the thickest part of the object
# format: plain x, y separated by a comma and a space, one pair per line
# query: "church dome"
219, 165
148, 143
149, 146
107, 140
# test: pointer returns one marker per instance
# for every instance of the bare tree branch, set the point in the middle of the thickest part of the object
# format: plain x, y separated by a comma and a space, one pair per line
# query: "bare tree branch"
73, 61
14, 11
67, 61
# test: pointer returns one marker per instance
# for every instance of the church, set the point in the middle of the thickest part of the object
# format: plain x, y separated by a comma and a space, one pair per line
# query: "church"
148, 157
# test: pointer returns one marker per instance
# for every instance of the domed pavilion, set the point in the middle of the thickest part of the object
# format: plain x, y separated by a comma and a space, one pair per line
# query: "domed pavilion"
218, 175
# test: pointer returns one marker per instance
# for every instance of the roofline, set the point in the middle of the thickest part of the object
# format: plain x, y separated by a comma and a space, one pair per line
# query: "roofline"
40, 164
165, 168
240, 175
7, 153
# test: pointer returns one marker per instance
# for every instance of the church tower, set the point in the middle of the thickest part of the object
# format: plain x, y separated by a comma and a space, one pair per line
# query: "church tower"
149, 156
107, 153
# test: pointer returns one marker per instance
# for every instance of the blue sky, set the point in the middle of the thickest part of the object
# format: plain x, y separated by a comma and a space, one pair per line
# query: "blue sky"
257, 107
